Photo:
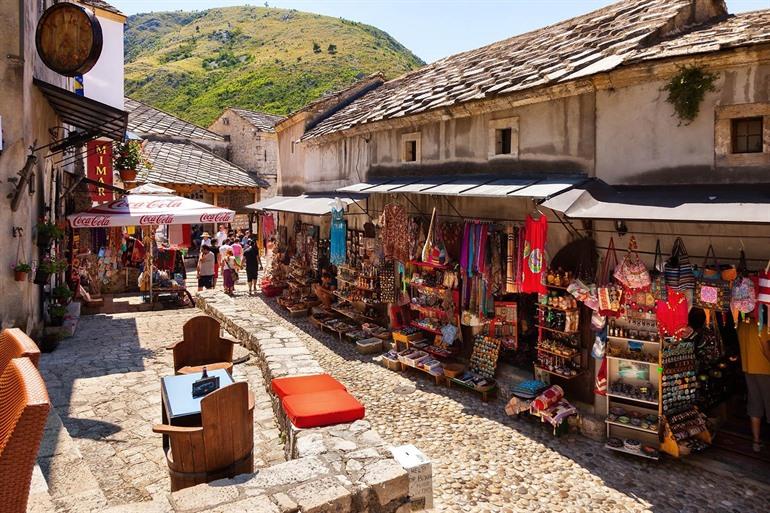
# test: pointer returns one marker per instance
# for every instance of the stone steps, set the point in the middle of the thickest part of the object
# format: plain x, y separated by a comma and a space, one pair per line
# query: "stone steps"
68, 485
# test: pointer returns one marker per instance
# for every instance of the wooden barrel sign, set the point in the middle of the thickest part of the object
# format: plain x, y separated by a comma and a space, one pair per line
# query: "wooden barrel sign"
69, 39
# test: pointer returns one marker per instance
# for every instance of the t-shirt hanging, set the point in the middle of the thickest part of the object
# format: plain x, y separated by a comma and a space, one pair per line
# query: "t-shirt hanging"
536, 232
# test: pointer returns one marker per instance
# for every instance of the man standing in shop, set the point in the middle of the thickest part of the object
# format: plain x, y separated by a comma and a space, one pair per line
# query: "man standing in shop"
206, 266
221, 235
755, 360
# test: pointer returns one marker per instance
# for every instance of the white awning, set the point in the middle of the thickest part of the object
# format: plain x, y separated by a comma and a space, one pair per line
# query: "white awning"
309, 204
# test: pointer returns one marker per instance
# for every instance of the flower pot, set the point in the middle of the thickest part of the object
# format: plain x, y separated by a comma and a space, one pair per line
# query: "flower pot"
127, 175
20, 275
41, 277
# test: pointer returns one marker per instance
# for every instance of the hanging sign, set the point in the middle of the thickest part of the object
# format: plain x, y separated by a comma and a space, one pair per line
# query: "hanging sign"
99, 169
69, 39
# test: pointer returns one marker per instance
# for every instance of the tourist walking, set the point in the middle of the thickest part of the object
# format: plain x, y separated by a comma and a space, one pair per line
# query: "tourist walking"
229, 271
253, 263
206, 267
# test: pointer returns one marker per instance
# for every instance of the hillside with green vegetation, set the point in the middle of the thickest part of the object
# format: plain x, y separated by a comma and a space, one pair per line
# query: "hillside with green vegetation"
195, 64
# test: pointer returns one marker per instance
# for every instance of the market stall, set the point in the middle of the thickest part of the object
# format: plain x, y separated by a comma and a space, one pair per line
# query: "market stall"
132, 239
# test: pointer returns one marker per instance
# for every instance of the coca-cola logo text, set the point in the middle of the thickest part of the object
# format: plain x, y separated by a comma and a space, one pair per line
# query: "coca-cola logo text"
124, 203
90, 221
157, 219
222, 217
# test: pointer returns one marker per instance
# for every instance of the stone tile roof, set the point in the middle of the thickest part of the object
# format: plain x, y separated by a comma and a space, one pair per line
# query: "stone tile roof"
101, 4
259, 120
190, 164
148, 121
593, 43
744, 29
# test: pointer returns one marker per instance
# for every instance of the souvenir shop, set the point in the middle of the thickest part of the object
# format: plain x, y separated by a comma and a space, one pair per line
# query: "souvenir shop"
631, 327
113, 244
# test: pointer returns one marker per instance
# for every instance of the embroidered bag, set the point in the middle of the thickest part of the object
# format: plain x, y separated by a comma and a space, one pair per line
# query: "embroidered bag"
743, 298
609, 294
657, 279
678, 270
711, 291
632, 272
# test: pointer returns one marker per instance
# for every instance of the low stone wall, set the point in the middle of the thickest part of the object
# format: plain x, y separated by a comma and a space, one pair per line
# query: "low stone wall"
343, 468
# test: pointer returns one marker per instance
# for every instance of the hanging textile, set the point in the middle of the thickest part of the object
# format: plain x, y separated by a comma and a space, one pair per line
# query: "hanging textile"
339, 232
536, 232
180, 235
395, 237
511, 281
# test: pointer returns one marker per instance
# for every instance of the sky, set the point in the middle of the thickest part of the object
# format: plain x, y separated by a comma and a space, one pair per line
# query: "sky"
432, 29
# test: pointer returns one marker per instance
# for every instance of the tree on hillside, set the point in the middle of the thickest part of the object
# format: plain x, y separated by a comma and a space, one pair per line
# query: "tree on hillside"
332, 49
316, 47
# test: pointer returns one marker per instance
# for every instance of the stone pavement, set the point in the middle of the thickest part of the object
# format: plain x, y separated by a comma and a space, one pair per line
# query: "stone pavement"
484, 461
104, 384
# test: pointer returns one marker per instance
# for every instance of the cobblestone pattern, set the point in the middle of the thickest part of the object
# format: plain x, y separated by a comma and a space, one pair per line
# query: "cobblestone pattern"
485, 461
104, 383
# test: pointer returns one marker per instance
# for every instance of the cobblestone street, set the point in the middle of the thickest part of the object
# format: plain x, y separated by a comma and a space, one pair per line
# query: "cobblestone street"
483, 461
104, 384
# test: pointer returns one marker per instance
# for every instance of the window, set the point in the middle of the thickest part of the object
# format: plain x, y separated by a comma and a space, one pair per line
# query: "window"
503, 138
503, 141
225, 121
227, 138
410, 147
747, 135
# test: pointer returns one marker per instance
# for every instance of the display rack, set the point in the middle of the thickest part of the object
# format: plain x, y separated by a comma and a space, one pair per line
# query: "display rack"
480, 376
559, 337
633, 389
430, 300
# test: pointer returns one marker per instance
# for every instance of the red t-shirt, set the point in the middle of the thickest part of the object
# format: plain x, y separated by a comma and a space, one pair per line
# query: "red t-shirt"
535, 234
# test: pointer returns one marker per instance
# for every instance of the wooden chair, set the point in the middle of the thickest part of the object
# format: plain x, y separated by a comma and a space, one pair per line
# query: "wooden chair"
24, 407
222, 447
202, 346
14, 343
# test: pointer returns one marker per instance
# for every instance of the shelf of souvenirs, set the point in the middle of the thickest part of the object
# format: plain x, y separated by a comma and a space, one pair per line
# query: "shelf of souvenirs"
558, 374
630, 339
427, 288
631, 426
362, 299
429, 329
636, 452
554, 330
429, 311
635, 360
629, 398
559, 351
431, 349
352, 314
550, 307
437, 267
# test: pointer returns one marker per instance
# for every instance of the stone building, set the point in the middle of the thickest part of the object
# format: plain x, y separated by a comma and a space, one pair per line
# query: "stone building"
253, 144
191, 160
43, 125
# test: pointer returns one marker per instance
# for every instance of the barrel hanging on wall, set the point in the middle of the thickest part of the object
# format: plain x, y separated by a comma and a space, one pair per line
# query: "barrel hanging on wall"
69, 39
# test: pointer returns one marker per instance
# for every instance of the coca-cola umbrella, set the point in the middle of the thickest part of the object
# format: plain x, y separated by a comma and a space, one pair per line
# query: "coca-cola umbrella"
142, 209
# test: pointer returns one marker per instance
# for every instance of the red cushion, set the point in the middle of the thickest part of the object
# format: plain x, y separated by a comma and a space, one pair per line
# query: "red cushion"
322, 408
305, 384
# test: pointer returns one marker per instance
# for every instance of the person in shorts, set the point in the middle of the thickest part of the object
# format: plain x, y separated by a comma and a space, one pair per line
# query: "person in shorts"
206, 267
755, 363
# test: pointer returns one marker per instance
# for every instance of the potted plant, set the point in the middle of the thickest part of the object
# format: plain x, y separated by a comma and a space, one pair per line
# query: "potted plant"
48, 232
56, 314
62, 295
48, 266
20, 271
128, 157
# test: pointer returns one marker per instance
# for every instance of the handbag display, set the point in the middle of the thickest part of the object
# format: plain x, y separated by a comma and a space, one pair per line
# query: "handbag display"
678, 269
657, 278
711, 291
632, 273
610, 295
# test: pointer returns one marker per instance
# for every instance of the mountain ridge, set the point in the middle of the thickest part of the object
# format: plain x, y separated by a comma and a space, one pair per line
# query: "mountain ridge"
194, 64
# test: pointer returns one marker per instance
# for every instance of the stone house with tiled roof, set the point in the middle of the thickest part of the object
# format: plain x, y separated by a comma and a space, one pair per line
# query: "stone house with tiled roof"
252, 142
190, 159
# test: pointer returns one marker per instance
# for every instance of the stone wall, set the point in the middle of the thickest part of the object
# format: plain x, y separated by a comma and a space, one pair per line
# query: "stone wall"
342, 468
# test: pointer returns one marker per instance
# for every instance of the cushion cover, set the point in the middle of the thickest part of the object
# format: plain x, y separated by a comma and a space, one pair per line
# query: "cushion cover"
322, 408
305, 384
